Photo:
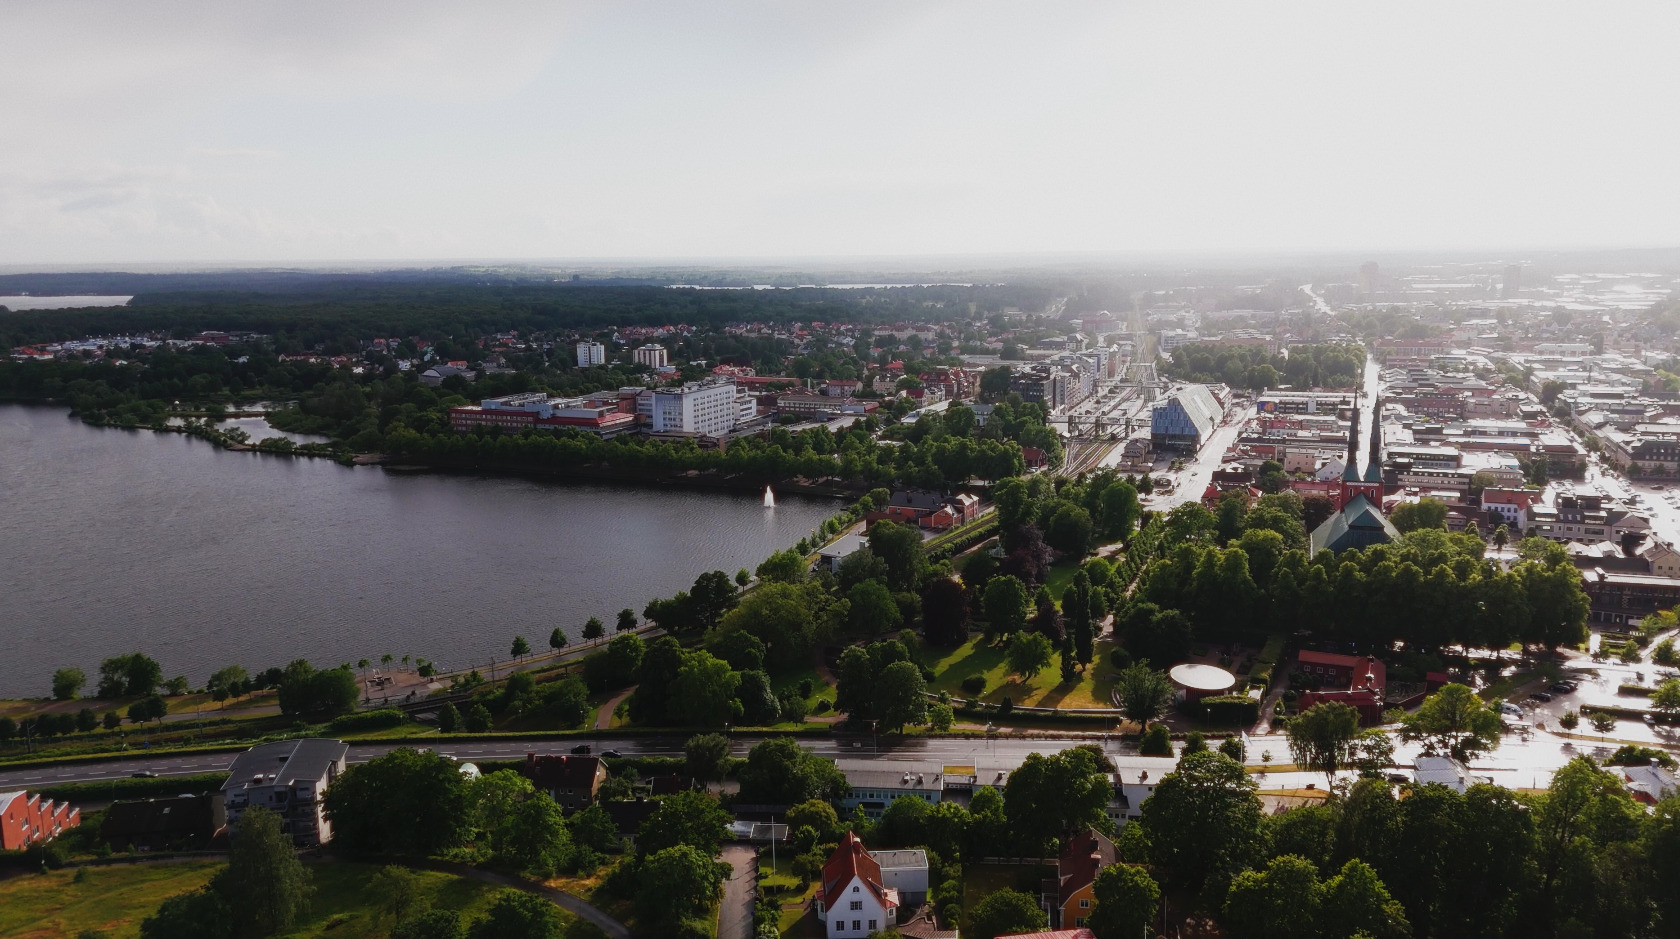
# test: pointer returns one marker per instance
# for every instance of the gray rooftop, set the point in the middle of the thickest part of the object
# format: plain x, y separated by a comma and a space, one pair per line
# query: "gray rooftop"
911, 858
283, 762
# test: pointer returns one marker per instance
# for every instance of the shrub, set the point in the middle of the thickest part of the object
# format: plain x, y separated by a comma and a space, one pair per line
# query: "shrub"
368, 720
1006, 705
1228, 709
1119, 658
974, 684
1156, 741
823, 705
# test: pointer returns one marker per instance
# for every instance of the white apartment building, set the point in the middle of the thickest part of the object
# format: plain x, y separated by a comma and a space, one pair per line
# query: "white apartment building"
694, 408
288, 778
652, 355
591, 354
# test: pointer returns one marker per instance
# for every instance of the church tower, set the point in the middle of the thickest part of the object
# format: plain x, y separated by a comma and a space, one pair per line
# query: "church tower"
1350, 473
1371, 486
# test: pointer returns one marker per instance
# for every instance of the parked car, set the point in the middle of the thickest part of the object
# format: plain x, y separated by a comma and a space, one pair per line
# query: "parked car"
582, 749
1540, 696
611, 754
1563, 687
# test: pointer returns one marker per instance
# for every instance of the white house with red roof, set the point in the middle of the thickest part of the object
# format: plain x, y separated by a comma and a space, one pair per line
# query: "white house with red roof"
853, 901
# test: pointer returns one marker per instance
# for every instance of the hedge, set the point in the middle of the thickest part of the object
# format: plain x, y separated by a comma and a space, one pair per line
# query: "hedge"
1228, 709
110, 790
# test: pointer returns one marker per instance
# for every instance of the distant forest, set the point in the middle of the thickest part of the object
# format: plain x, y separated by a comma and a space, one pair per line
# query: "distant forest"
341, 310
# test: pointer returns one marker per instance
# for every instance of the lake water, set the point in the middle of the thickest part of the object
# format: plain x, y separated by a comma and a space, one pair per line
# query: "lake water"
116, 540
60, 303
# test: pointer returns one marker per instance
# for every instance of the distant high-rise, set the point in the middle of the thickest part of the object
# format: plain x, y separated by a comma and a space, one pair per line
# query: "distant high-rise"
1369, 277
590, 354
1513, 282
652, 355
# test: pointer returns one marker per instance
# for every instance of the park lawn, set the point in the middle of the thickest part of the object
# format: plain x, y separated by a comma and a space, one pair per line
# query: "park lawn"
789, 681
115, 899
1060, 579
977, 657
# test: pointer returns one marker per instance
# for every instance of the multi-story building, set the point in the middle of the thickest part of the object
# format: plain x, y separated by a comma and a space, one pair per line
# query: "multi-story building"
1184, 419
607, 413
853, 901
1040, 384
572, 781
652, 355
26, 819
288, 778
694, 408
591, 354
1073, 898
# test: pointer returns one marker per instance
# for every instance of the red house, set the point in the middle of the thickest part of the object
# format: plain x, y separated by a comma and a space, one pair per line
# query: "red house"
1360, 683
25, 819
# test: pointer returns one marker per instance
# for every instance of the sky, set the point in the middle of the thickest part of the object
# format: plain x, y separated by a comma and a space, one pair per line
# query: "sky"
300, 131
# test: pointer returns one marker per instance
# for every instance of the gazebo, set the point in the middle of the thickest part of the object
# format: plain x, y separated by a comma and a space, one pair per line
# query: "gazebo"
1195, 682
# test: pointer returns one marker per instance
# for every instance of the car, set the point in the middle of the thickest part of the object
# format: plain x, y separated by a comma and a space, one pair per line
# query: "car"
1540, 696
143, 774
582, 749
1563, 687
612, 754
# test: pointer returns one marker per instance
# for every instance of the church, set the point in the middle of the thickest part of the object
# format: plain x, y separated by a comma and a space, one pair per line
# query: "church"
1358, 521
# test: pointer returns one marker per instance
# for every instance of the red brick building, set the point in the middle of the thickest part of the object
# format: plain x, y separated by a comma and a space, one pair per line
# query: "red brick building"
26, 819
1359, 682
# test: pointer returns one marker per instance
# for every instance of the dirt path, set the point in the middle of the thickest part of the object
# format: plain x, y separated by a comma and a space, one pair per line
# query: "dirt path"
603, 717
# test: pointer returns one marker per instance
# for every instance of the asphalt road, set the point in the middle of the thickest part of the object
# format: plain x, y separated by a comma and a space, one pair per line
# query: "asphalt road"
914, 749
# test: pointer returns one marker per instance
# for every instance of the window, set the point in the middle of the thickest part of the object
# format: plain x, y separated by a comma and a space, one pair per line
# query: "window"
857, 904
872, 926
854, 888
1084, 905
857, 924
1079, 921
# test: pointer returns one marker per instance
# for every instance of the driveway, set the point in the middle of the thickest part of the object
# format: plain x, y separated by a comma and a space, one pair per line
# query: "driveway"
735, 914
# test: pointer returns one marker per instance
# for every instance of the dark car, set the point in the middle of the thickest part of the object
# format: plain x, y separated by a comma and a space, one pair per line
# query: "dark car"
143, 774
1540, 696
1563, 687
581, 749
612, 754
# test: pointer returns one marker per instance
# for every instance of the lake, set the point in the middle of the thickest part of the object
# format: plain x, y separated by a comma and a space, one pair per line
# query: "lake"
118, 540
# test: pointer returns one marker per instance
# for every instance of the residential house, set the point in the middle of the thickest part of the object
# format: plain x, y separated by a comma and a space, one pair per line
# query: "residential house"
852, 901
1649, 783
1073, 894
161, 824
905, 871
288, 778
1445, 771
26, 819
830, 555
1359, 682
572, 781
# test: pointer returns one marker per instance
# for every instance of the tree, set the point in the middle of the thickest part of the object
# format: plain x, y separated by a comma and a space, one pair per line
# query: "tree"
557, 639
1143, 692
201, 914
778, 771
110, 720
901, 696
66, 682
568, 700
1501, 536
660, 664
758, 702
675, 884
150, 708
432, 924
742, 650
873, 609
518, 915
226, 682
1280, 902
478, 719
1321, 737
1204, 820
449, 719
1455, 720
706, 686
787, 567
533, 838
626, 620
816, 814
945, 619
1603, 723
1070, 530
1355, 902
704, 756
86, 720
593, 629
900, 548
783, 617
1047, 619
1004, 912
1127, 898
403, 803
1051, 796
128, 676
1027, 654
1665, 700
266, 887
1005, 603
1664, 653
316, 695
712, 595
521, 648
694, 819
1120, 510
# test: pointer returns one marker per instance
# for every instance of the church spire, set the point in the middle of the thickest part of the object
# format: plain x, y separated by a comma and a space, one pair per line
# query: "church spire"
1350, 472
1373, 468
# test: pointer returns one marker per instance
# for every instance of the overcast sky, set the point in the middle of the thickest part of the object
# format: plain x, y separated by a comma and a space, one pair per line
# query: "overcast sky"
275, 132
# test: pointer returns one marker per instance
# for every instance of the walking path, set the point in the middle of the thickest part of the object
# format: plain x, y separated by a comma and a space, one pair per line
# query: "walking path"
603, 717
735, 913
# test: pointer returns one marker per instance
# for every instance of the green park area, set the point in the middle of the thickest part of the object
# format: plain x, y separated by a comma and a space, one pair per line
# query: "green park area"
988, 662
112, 901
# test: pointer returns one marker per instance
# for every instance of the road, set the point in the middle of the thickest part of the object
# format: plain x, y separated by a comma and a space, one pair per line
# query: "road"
735, 912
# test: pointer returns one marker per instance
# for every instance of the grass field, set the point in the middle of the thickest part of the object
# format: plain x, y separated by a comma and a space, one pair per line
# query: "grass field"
976, 657
115, 899
983, 880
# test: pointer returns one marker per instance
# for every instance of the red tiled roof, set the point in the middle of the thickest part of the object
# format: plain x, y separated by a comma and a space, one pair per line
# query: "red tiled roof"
1080, 933
851, 860
562, 772
1085, 854
1329, 658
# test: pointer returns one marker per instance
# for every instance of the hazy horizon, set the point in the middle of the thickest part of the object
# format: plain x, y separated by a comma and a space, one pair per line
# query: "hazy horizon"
752, 133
